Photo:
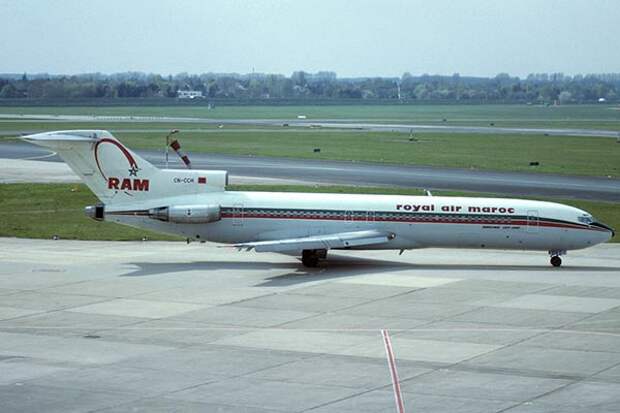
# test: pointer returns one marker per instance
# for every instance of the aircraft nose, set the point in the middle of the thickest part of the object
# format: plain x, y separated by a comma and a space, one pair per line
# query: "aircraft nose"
607, 227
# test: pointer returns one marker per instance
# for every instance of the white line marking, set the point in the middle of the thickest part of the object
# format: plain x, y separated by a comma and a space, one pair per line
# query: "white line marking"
400, 406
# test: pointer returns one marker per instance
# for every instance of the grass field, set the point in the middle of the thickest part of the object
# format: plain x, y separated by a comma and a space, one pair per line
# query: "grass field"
45, 210
568, 116
57, 209
563, 155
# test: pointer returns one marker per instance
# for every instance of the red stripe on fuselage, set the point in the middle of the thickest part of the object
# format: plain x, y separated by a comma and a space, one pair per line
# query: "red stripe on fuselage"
414, 220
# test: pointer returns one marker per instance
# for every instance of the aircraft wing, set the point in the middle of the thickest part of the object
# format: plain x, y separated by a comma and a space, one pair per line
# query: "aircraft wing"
319, 242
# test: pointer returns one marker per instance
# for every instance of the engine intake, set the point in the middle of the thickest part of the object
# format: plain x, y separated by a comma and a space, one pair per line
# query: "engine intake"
187, 214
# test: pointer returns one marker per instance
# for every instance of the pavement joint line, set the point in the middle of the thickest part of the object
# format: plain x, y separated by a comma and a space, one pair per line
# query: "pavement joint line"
501, 347
42, 312
342, 309
434, 367
227, 378
600, 322
130, 327
104, 408
346, 398
603, 370
337, 400
513, 372
430, 393
509, 345
530, 400
588, 316
55, 310
247, 299
129, 402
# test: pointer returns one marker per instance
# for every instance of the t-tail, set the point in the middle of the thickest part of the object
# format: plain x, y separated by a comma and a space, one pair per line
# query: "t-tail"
117, 175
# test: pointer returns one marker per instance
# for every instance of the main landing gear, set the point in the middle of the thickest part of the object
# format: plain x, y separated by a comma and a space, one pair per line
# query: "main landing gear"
310, 258
556, 261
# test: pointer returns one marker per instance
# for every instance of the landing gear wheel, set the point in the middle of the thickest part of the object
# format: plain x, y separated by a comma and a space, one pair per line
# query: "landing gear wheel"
309, 258
556, 261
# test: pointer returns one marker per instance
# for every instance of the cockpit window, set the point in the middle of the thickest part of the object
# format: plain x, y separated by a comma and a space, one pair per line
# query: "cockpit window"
586, 219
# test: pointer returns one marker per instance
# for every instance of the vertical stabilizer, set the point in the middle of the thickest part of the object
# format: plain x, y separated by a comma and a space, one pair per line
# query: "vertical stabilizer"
118, 175
113, 172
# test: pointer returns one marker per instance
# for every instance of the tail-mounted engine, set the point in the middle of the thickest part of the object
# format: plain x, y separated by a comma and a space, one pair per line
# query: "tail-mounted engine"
96, 212
187, 214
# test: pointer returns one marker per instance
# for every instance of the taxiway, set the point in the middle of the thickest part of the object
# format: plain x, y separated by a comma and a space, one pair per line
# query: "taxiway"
282, 170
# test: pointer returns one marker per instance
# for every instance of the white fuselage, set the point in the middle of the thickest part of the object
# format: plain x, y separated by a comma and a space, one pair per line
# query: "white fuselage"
415, 221
195, 204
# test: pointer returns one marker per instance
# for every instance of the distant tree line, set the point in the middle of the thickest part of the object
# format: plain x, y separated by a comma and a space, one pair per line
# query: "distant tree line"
324, 86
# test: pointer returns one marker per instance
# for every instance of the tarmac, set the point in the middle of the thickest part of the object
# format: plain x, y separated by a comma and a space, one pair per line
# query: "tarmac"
160, 326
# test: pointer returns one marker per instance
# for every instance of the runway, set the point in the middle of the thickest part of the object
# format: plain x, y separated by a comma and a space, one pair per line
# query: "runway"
322, 123
156, 326
273, 170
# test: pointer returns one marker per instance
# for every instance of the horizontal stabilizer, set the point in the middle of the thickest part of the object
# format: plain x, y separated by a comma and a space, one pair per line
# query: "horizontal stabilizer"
54, 139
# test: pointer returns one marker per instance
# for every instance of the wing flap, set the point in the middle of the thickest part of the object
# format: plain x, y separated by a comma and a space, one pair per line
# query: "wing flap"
318, 242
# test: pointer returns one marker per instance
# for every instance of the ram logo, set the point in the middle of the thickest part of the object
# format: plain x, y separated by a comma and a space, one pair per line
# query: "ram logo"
127, 184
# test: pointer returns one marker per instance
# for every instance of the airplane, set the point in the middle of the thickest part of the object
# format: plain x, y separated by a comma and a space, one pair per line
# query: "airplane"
195, 204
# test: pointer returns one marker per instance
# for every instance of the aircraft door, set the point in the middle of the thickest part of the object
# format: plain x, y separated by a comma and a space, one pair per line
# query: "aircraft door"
532, 221
237, 215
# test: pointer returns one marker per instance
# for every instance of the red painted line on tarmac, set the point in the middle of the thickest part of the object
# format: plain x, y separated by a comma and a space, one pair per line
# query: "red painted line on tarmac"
400, 405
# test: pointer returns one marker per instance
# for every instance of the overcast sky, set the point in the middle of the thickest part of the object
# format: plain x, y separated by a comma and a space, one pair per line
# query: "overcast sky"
352, 38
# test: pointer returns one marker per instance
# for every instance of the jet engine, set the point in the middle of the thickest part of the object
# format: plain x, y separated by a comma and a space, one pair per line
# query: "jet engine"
96, 212
187, 214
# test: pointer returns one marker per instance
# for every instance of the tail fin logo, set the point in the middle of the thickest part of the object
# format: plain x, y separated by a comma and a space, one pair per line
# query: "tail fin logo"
123, 184
132, 162
126, 184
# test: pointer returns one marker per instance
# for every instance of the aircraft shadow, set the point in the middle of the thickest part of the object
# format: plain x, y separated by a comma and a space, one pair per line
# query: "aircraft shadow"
150, 268
341, 266
334, 267
338, 267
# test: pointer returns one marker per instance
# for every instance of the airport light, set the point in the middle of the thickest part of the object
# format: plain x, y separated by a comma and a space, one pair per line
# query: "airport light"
172, 132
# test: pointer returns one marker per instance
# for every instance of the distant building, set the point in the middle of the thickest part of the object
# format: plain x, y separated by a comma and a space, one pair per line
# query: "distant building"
189, 94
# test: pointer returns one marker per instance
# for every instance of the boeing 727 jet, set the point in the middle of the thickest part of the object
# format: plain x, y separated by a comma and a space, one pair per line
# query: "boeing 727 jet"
196, 205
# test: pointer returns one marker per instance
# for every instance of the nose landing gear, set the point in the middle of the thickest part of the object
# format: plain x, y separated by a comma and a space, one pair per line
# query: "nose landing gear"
556, 261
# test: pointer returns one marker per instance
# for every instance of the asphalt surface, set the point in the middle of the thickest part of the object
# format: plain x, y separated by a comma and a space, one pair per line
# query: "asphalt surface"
160, 327
368, 174
322, 123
